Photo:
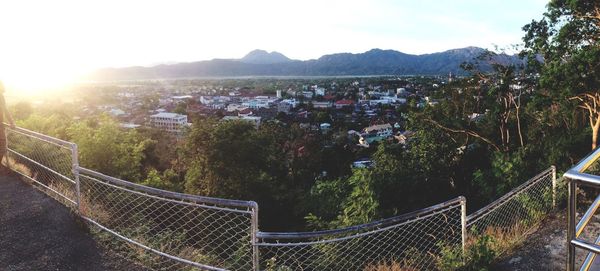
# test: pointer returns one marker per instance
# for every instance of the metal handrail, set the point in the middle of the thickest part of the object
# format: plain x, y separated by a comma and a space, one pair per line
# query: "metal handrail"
43, 137
169, 194
576, 177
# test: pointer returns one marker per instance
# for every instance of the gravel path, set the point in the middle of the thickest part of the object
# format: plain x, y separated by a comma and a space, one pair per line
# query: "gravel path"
38, 233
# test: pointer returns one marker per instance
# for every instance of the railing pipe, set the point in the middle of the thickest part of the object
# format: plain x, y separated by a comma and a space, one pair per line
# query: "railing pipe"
553, 168
589, 259
586, 245
376, 224
576, 176
75, 157
463, 224
254, 238
571, 225
585, 219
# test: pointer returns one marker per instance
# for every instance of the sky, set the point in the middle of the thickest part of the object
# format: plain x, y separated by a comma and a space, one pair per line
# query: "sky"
52, 42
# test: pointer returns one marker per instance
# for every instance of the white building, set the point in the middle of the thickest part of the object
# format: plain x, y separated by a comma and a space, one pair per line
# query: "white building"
169, 122
375, 133
320, 91
293, 102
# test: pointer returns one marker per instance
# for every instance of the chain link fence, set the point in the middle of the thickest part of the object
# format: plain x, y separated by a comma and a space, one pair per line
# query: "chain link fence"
171, 231
512, 215
409, 241
46, 161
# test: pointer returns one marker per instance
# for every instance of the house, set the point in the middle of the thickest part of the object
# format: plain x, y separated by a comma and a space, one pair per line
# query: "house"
284, 107
343, 103
376, 133
293, 102
245, 112
321, 105
320, 91
235, 107
116, 112
182, 98
170, 122
306, 94
259, 102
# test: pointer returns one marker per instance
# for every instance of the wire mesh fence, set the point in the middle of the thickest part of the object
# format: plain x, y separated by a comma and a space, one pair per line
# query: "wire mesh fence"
410, 241
46, 161
517, 211
171, 231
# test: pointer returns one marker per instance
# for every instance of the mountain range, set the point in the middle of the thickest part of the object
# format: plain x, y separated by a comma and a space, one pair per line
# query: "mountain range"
263, 63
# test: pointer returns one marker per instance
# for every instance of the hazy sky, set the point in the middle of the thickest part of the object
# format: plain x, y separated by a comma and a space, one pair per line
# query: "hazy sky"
60, 38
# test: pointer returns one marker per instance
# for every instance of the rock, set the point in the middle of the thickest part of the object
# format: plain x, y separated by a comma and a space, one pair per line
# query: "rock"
515, 260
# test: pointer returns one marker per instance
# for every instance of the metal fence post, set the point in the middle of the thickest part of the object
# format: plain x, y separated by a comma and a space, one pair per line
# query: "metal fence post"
463, 223
572, 209
75, 156
553, 186
254, 233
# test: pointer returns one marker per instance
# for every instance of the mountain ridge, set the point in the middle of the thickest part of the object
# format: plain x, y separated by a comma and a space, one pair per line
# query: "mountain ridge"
262, 63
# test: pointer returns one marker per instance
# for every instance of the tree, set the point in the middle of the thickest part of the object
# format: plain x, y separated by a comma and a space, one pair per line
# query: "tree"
21, 110
105, 147
568, 41
274, 165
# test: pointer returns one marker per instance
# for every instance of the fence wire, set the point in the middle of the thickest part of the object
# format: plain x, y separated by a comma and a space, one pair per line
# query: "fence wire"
515, 213
410, 241
169, 231
46, 161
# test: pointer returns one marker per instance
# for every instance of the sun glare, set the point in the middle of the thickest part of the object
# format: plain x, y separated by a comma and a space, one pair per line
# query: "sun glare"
36, 81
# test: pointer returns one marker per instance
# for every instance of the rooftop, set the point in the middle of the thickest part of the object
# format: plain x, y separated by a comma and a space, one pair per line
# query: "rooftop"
167, 115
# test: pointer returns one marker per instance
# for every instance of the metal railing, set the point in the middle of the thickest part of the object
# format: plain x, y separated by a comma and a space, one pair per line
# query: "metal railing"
577, 177
172, 231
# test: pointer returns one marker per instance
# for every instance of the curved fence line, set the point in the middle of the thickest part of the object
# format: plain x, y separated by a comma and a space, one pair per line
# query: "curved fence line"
165, 230
524, 187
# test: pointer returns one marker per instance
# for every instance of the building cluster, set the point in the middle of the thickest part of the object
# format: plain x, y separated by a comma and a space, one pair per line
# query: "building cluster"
367, 113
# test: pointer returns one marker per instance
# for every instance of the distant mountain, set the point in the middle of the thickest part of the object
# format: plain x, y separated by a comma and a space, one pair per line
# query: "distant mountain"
262, 63
264, 57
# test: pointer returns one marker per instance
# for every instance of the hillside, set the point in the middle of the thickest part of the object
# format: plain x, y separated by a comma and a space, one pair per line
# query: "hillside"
262, 63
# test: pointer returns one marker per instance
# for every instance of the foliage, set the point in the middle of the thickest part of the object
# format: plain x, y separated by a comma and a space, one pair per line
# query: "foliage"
105, 147
566, 39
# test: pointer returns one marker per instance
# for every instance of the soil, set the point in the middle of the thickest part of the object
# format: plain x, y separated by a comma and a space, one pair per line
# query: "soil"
39, 233
545, 248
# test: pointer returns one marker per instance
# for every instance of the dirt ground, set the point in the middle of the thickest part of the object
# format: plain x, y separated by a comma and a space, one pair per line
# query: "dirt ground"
545, 248
38, 233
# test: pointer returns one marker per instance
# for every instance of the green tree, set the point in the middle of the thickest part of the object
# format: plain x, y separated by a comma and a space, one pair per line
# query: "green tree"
105, 147
568, 40
21, 110
274, 165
